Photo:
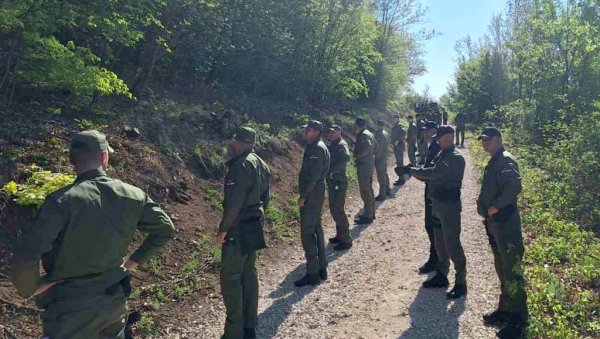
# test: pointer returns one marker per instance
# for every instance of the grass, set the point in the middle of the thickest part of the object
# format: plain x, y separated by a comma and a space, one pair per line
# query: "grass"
214, 197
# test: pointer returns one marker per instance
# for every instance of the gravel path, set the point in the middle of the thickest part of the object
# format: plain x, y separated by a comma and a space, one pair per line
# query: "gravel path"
374, 290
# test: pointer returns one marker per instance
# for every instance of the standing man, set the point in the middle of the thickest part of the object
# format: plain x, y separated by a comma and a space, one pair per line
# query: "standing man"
81, 234
444, 116
381, 161
311, 184
461, 122
411, 140
397, 139
364, 157
497, 203
337, 186
444, 184
421, 143
246, 197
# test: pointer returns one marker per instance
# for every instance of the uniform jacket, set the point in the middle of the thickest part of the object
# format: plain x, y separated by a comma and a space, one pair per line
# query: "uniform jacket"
411, 136
383, 143
445, 175
501, 183
315, 166
398, 135
364, 150
340, 155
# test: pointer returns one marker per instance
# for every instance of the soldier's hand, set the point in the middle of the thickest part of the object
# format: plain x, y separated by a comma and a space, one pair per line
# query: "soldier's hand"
492, 210
301, 202
401, 170
221, 238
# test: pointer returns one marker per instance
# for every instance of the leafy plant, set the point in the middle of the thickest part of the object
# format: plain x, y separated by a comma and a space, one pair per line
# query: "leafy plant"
38, 186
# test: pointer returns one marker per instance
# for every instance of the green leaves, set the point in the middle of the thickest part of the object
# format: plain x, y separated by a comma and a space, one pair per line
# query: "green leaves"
37, 187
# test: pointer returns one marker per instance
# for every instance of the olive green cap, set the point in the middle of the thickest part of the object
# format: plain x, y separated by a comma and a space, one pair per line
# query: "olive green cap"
88, 142
334, 128
246, 135
315, 125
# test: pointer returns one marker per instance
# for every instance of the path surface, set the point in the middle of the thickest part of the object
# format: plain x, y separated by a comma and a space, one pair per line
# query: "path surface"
374, 290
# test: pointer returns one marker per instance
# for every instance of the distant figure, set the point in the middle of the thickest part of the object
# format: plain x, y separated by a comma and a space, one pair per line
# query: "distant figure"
246, 197
421, 143
461, 122
81, 235
397, 140
445, 116
311, 186
364, 157
497, 203
381, 160
411, 140
337, 186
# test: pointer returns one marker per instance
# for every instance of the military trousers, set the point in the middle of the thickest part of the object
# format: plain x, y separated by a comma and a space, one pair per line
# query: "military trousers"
337, 205
447, 240
364, 173
311, 232
93, 316
431, 222
460, 132
382, 176
507, 245
239, 287
412, 156
422, 149
399, 154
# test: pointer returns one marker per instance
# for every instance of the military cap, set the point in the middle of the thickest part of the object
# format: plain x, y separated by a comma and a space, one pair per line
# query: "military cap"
89, 141
246, 135
410, 116
490, 132
315, 125
361, 122
443, 130
334, 128
380, 123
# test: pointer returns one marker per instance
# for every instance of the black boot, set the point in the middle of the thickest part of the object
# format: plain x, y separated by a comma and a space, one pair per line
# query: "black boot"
323, 274
308, 280
364, 220
334, 240
457, 291
400, 182
496, 318
342, 247
380, 198
429, 266
514, 329
438, 281
249, 333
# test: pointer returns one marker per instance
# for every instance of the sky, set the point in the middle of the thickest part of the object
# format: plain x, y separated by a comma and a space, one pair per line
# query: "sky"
454, 20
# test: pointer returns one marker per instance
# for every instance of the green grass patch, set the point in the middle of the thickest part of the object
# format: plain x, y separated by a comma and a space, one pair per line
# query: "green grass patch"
214, 197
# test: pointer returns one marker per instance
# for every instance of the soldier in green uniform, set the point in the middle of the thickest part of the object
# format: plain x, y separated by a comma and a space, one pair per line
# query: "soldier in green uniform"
421, 142
337, 186
397, 140
364, 157
381, 160
411, 140
311, 184
461, 122
81, 235
497, 203
246, 197
444, 183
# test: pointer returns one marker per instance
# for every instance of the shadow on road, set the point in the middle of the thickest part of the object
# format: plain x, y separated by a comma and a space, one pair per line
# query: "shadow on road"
433, 316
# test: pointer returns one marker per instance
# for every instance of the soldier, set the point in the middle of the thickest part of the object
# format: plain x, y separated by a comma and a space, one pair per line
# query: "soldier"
460, 121
411, 140
311, 184
431, 221
364, 158
497, 203
444, 116
397, 140
246, 197
444, 183
421, 143
381, 160
337, 186
81, 234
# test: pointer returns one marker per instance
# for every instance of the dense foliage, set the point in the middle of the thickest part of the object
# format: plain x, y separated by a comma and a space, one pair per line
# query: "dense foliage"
317, 49
37, 187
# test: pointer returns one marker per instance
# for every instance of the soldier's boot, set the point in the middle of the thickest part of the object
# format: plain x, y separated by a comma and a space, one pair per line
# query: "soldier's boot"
308, 280
323, 274
514, 329
457, 291
496, 318
380, 198
400, 182
249, 333
362, 220
342, 247
334, 240
429, 266
438, 281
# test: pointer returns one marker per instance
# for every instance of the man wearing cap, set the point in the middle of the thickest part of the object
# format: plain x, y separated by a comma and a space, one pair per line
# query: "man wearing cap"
411, 140
311, 185
381, 160
397, 140
497, 203
364, 157
81, 235
246, 197
337, 186
444, 183
461, 122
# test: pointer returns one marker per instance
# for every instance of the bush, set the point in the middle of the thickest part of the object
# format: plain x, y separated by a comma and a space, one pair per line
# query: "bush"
39, 185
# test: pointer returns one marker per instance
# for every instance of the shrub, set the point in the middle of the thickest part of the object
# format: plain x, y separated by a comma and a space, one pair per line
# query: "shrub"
38, 186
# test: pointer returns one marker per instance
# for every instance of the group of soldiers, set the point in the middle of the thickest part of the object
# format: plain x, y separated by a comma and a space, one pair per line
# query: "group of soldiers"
83, 231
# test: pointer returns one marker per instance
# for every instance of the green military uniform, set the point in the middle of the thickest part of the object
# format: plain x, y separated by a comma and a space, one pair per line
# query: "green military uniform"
311, 185
461, 122
397, 139
381, 161
364, 155
421, 142
411, 140
500, 187
81, 234
246, 197
444, 183
337, 186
